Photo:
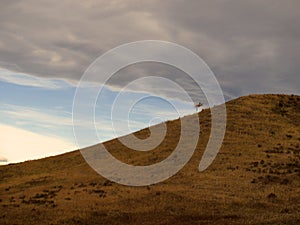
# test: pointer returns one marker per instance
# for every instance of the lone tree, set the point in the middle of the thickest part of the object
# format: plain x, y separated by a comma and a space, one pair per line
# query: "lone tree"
197, 106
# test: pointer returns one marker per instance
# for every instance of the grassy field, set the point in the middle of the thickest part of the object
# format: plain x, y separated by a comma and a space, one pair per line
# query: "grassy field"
255, 179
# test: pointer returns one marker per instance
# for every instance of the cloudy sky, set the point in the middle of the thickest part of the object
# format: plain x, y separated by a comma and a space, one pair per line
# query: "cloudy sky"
252, 46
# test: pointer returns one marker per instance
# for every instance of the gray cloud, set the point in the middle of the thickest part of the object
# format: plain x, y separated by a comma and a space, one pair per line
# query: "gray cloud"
2, 159
252, 46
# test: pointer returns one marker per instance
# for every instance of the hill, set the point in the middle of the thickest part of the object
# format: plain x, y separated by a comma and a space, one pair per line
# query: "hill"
255, 178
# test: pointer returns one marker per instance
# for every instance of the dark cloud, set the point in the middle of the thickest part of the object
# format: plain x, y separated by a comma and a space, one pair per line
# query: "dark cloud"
252, 45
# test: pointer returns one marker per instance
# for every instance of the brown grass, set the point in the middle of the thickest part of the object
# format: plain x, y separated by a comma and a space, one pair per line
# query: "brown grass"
255, 178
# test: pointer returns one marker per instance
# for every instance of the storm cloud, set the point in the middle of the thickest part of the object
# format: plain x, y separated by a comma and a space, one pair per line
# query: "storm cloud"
252, 46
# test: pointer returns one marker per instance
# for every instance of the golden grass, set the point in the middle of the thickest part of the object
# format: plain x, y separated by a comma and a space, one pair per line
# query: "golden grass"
255, 178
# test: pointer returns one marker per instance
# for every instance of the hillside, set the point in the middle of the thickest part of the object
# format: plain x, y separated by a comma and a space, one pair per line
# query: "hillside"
255, 178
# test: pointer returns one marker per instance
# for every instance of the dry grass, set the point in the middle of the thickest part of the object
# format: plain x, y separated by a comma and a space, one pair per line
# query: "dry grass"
255, 178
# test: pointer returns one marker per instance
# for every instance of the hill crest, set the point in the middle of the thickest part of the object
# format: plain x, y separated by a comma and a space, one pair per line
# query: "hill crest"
253, 180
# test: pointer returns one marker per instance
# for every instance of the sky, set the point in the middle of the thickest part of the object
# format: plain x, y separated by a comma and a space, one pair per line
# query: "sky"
251, 46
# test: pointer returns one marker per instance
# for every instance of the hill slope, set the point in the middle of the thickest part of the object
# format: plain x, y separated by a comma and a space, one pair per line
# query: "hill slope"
255, 179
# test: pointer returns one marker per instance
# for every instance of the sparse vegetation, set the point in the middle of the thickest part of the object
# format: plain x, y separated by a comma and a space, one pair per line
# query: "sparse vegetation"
255, 178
